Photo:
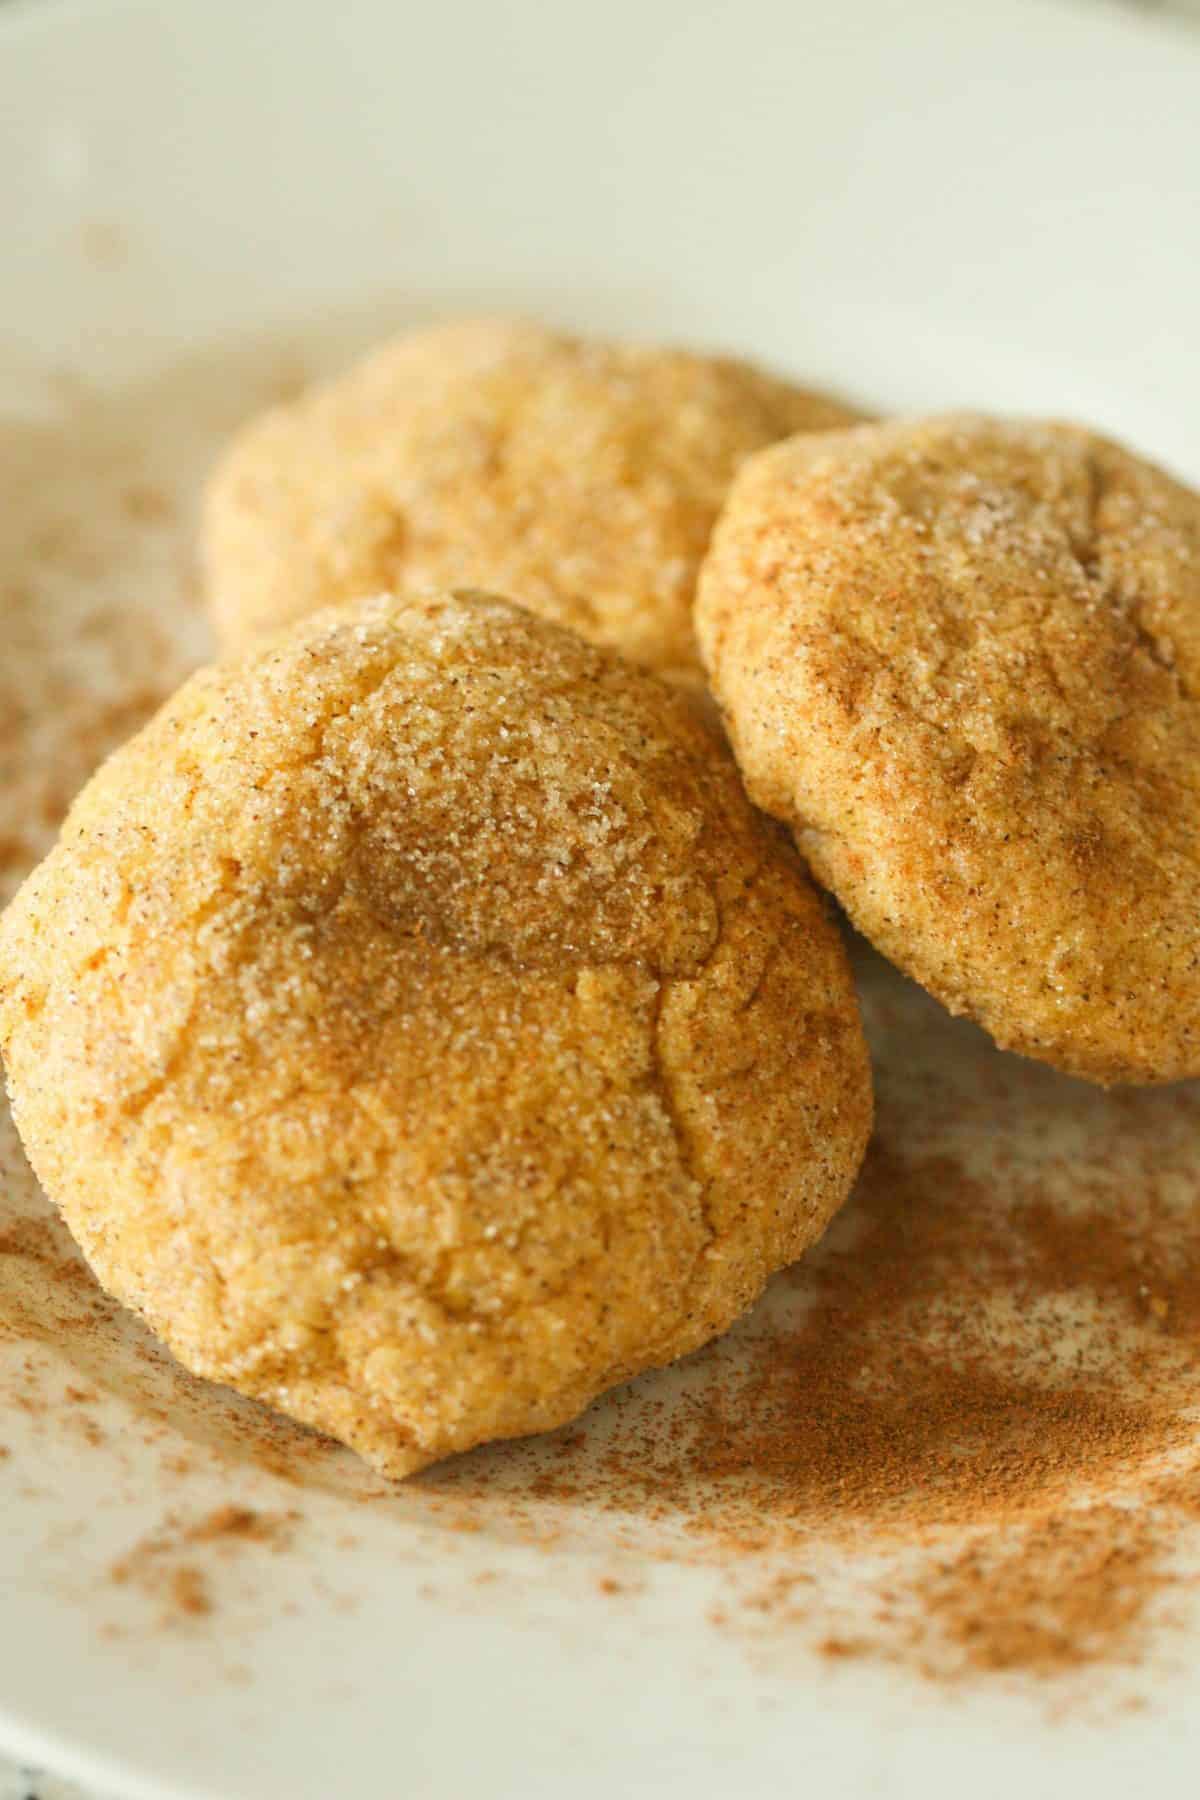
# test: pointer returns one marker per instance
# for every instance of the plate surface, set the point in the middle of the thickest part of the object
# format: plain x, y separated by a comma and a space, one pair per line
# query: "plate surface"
921, 205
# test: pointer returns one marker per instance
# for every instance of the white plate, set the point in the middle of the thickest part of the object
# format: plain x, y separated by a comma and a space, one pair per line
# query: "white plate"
924, 204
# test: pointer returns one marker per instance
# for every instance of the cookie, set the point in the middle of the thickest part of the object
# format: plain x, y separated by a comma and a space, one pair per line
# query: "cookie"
418, 1027
582, 478
961, 658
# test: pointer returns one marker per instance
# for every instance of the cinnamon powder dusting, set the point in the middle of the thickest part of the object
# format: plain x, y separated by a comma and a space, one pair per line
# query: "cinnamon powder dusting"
189, 1592
974, 1405
983, 1379
163, 1566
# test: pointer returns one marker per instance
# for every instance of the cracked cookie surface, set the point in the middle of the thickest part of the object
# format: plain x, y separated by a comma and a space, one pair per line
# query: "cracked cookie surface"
416, 1024
961, 658
579, 477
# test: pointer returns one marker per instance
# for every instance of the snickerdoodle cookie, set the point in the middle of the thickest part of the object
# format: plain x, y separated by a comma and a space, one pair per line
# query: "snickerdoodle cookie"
417, 1025
580, 477
961, 657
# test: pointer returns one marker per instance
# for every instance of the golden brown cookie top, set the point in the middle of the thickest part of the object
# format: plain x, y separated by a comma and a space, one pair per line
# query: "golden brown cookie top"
580, 477
961, 656
418, 1026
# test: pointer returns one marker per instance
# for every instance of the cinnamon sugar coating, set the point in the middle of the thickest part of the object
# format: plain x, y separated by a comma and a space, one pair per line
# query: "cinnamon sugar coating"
582, 478
416, 1024
961, 658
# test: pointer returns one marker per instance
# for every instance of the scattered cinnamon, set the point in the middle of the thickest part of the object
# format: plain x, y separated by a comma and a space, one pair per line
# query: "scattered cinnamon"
156, 1563
189, 1592
1070, 1590
245, 1524
979, 1389
985, 1376
233, 1521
